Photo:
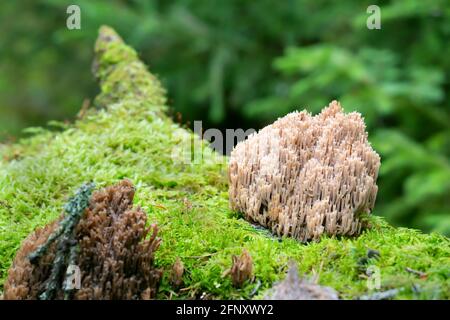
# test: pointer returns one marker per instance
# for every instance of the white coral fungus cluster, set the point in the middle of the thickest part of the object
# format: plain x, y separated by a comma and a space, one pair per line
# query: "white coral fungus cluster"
305, 176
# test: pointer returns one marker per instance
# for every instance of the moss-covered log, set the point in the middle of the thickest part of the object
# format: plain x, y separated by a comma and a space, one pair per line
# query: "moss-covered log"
129, 135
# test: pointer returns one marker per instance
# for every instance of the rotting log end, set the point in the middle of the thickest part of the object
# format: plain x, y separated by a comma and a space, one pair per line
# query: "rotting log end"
121, 74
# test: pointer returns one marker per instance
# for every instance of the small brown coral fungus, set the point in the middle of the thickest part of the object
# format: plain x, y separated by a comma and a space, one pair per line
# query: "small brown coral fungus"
114, 258
176, 276
304, 176
241, 269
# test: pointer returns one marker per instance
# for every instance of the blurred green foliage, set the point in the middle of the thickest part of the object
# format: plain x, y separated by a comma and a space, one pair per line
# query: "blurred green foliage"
245, 63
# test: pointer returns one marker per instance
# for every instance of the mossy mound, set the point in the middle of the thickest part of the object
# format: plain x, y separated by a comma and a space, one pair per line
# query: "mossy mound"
132, 138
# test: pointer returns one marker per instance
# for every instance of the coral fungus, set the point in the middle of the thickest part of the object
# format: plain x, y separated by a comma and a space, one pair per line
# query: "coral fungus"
113, 255
304, 176
176, 276
114, 142
241, 269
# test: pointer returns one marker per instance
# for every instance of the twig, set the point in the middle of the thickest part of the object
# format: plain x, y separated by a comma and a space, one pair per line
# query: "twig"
381, 295
160, 206
416, 272
256, 288
64, 238
84, 108
201, 257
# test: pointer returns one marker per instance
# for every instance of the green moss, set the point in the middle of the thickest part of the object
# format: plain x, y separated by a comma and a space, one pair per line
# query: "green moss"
122, 75
133, 138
